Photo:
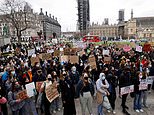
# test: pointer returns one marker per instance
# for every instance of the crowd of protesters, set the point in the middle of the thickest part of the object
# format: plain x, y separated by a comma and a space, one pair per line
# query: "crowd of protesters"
74, 81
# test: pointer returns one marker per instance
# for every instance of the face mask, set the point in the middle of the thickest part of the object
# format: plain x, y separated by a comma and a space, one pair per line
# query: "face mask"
103, 77
13, 72
37, 65
140, 76
49, 79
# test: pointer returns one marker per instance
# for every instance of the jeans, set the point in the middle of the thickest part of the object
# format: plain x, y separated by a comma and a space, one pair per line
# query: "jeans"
55, 104
144, 97
123, 104
86, 101
100, 109
138, 100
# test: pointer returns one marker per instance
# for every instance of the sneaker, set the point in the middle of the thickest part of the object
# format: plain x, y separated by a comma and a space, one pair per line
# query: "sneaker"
54, 111
108, 111
141, 110
114, 112
137, 110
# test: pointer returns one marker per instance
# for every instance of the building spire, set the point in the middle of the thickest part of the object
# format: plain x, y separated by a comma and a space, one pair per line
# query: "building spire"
131, 13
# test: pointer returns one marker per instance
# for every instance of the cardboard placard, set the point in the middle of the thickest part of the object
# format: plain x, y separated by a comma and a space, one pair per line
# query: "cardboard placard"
92, 59
126, 48
22, 95
46, 56
56, 53
31, 52
67, 51
34, 60
64, 58
30, 88
74, 59
107, 59
106, 52
51, 92
93, 65
133, 44
139, 48
38, 85
143, 85
127, 89
73, 51
149, 80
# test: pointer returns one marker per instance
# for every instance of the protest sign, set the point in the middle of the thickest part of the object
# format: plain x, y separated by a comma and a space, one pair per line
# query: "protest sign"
106, 52
133, 44
73, 51
74, 59
61, 49
126, 48
67, 51
17, 51
107, 59
46, 56
143, 85
91, 59
31, 52
22, 95
149, 80
139, 48
51, 92
56, 53
34, 60
30, 88
127, 89
92, 62
38, 85
64, 58
50, 51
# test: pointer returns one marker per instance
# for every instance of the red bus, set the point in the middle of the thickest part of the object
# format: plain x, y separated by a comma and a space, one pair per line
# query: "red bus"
91, 38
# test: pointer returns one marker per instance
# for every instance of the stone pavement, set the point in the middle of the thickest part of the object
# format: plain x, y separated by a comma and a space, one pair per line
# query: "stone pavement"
147, 111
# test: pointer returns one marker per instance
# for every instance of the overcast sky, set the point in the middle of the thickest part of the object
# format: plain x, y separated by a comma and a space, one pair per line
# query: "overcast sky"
66, 10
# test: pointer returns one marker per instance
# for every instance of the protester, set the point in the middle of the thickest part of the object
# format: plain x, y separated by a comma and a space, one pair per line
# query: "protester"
102, 86
85, 90
68, 94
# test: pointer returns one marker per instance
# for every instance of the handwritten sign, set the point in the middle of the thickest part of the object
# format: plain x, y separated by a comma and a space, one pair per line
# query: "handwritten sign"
74, 59
34, 60
92, 62
51, 92
139, 48
22, 95
30, 88
127, 89
150, 80
31, 52
143, 85
67, 51
107, 59
64, 58
106, 52
46, 56
38, 85
126, 48
56, 53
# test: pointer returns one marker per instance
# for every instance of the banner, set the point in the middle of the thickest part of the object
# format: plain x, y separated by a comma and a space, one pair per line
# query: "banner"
22, 95
30, 88
139, 48
34, 60
38, 85
51, 92
64, 58
106, 52
127, 89
74, 59
143, 85
31, 52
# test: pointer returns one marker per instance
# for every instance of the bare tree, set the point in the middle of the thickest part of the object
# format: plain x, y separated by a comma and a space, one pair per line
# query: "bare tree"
16, 12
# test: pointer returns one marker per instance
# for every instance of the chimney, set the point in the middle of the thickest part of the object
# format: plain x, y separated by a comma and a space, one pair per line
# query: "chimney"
50, 15
56, 18
53, 17
46, 13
